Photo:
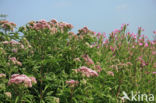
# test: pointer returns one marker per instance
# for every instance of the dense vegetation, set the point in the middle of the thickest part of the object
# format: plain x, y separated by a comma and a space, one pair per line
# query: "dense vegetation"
44, 62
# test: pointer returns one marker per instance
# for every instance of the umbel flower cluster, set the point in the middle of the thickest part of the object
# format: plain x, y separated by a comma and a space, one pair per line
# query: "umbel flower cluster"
86, 71
6, 25
19, 79
53, 26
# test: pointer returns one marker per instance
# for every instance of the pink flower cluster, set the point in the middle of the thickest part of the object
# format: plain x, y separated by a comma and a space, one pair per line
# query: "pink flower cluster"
84, 31
42, 24
106, 41
6, 25
116, 31
14, 50
13, 43
86, 71
8, 94
153, 72
110, 73
72, 83
143, 63
15, 61
140, 28
2, 75
153, 52
134, 36
100, 35
88, 60
77, 59
63, 26
53, 25
112, 48
124, 26
98, 68
146, 44
20, 79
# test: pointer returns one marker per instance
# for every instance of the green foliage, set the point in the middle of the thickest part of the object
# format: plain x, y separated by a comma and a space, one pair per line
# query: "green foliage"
52, 56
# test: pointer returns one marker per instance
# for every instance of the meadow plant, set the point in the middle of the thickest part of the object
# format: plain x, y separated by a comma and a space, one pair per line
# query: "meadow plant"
48, 63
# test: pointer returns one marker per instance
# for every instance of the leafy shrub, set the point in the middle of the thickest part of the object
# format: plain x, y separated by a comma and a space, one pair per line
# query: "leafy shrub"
86, 67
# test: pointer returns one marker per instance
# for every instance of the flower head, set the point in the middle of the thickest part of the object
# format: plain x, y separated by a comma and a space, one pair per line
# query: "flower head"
21, 79
153, 72
2, 75
87, 59
86, 71
8, 94
72, 83
110, 73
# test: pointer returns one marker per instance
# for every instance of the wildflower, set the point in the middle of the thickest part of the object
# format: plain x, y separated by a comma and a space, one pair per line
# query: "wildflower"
140, 44
129, 63
54, 21
111, 48
110, 73
19, 79
134, 36
143, 63
85, 30
14, 42
2, 75
72, 33
133, 46
5, 42
72, 83
33, 80
14, 50
93, 45
32, 52
146, 44
69, 26
153, 72
140, 28
98, 68
124, 26
88, 60
153, 52
53, 30
104, 35
153, 42
22, 46
6, 25
18, 63
15, 61
116, 31
98, 35
8, 94
77, 59
42, 24
106, 41
86, 71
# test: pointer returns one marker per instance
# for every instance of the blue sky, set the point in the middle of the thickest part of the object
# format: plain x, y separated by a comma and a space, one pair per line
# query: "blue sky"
98, 15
